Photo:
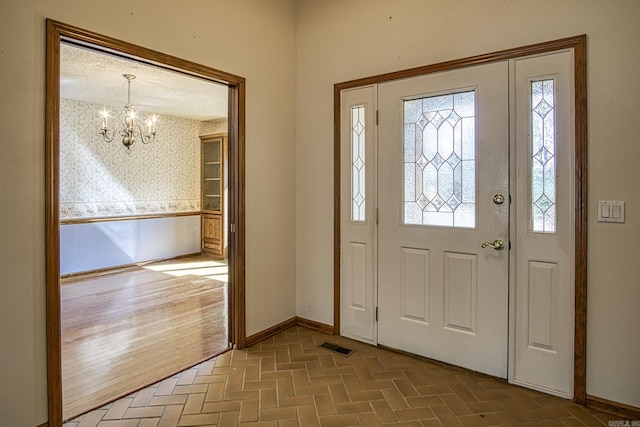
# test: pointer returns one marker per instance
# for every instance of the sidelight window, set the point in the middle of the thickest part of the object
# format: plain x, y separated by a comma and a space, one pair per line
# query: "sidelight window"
358, 163
543, 157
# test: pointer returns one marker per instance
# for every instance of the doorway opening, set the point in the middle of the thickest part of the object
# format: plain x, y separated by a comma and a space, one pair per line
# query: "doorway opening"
58, 36
126, 324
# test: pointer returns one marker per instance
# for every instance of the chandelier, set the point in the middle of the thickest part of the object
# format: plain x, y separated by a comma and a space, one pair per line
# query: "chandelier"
129, 130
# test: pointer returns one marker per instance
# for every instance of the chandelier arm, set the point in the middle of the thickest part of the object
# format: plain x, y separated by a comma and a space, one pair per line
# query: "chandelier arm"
105, 133
145, 138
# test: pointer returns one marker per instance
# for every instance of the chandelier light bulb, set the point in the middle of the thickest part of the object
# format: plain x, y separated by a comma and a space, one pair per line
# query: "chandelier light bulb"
151, 123
105, 118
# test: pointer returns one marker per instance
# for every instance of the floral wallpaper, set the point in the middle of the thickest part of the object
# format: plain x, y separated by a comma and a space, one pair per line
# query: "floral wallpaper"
99, 179
211, 127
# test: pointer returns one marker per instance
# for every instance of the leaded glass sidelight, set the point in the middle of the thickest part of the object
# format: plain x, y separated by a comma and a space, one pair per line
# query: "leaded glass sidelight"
358, 163
543, 157
439, 160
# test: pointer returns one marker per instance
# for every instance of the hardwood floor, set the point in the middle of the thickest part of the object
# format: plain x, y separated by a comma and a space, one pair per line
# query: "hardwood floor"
126, 330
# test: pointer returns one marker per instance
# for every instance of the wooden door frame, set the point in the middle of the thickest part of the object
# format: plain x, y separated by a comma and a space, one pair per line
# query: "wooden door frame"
56, 33
579, 46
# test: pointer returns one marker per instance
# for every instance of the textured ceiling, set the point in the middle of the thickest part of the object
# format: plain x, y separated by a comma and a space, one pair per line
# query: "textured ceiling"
96, 77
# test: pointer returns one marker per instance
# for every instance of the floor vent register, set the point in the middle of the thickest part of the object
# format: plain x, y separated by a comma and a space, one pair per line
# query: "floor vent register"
337, 349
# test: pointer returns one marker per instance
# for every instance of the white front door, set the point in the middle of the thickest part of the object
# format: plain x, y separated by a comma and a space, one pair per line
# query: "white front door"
432, 278
443, 200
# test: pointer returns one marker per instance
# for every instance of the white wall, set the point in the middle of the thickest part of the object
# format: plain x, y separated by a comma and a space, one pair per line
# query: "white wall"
350, 39
251, 38
106, 244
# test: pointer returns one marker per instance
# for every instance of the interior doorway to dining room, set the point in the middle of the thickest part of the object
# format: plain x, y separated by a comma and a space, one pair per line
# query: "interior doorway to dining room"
135, 291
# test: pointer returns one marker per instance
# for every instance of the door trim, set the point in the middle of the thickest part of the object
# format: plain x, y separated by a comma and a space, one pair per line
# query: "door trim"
57, 32
579, 46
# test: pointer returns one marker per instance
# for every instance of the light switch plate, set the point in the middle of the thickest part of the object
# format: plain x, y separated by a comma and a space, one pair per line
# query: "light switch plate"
610, 211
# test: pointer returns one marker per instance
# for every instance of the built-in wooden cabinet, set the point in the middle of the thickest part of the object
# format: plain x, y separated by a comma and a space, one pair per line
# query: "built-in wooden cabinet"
213, 186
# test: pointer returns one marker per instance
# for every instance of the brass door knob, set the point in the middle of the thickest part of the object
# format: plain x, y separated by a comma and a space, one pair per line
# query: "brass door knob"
497, 244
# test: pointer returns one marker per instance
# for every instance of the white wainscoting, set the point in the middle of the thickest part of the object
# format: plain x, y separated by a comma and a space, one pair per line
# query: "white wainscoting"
97, 245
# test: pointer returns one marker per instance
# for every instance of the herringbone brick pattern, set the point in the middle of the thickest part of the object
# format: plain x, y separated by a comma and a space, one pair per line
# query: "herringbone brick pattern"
288, 380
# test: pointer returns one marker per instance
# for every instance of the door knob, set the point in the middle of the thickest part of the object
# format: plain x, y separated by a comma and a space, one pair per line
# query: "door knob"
497, 244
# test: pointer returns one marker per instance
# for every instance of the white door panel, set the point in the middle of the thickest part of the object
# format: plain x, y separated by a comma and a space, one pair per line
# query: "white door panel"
357, 216
543, 253
441, 295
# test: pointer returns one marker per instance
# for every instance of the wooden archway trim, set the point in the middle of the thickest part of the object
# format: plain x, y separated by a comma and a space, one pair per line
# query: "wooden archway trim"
56, 33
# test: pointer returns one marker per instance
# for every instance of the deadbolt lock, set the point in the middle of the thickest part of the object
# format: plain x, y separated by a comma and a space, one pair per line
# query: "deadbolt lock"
498, 199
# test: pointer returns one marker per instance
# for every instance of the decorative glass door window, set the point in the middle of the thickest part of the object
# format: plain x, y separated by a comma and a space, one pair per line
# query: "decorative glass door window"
358, 163
440, 160
543, 157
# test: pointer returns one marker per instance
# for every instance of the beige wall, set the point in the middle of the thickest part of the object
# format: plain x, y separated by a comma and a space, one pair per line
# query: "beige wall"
343, 40
254, 39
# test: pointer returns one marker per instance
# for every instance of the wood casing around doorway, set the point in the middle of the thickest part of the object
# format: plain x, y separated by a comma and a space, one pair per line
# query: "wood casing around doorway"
57, 32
